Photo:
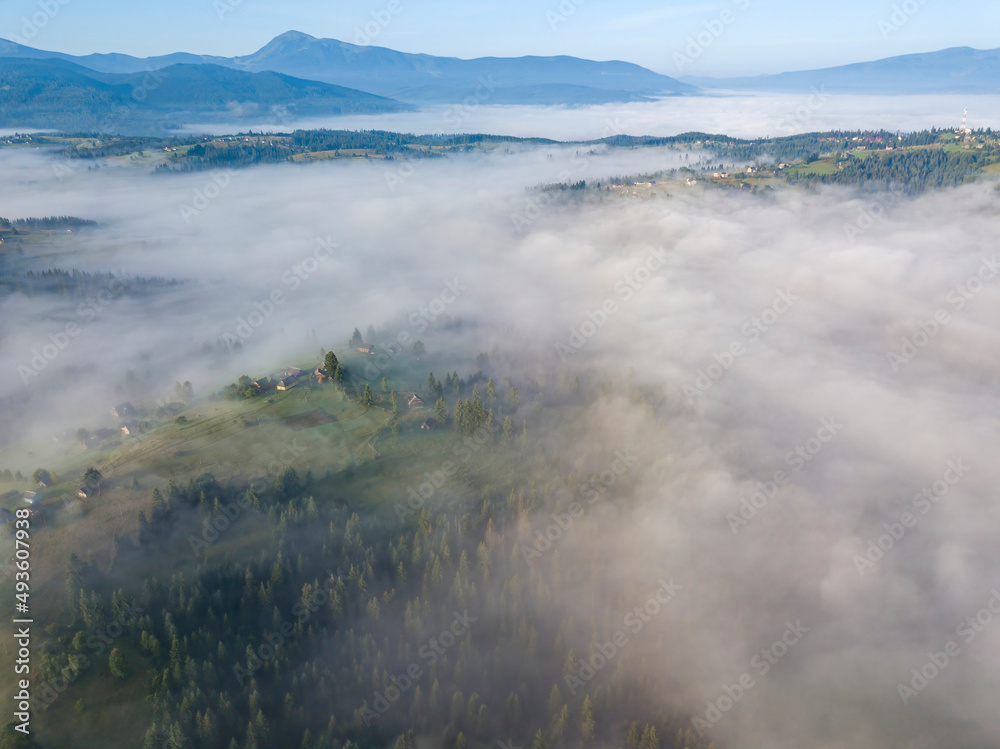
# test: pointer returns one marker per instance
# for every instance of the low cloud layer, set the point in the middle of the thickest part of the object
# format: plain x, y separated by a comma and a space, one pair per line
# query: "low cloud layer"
738, 114
817, 385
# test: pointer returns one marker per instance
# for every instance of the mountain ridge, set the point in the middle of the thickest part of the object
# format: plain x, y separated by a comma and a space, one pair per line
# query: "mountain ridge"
58, 93
957, 70
418, 78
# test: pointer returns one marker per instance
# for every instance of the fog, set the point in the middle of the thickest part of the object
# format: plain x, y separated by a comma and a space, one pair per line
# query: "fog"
738, 114
808, 310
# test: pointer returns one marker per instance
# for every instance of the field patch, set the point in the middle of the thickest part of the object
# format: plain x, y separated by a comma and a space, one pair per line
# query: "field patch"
308, 420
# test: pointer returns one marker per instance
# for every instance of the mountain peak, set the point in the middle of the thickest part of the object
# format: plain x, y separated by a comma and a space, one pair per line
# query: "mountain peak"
293, 36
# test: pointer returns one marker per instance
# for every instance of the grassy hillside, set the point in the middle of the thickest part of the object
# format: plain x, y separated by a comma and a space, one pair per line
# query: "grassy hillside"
139, 569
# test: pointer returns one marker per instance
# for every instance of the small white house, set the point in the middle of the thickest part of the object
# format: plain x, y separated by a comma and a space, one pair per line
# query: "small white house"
32, 497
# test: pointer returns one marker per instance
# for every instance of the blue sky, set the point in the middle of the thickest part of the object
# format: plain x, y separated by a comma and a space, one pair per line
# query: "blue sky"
755, 36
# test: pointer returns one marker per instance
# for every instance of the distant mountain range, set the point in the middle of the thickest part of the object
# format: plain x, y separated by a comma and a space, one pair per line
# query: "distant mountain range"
422, 79
297, 75
959, 70
58, 94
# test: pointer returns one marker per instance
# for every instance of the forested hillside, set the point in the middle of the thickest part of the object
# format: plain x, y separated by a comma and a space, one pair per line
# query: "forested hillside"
442, 616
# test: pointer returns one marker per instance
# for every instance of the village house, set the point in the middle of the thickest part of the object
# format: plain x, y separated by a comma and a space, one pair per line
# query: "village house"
288, 377
429, 424
87, 491
366, 348
415, 402
32, 497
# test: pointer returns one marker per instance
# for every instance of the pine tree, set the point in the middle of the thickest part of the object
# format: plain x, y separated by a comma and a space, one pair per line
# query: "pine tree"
558, 726
572, 664
649, 739
366, 397
441, 411
513, 399
632, 740
485, 559
330, 364
116, 662
555, 702
507, 435
586, 720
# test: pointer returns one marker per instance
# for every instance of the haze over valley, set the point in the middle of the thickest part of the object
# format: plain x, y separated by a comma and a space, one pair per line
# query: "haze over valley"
655, 419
